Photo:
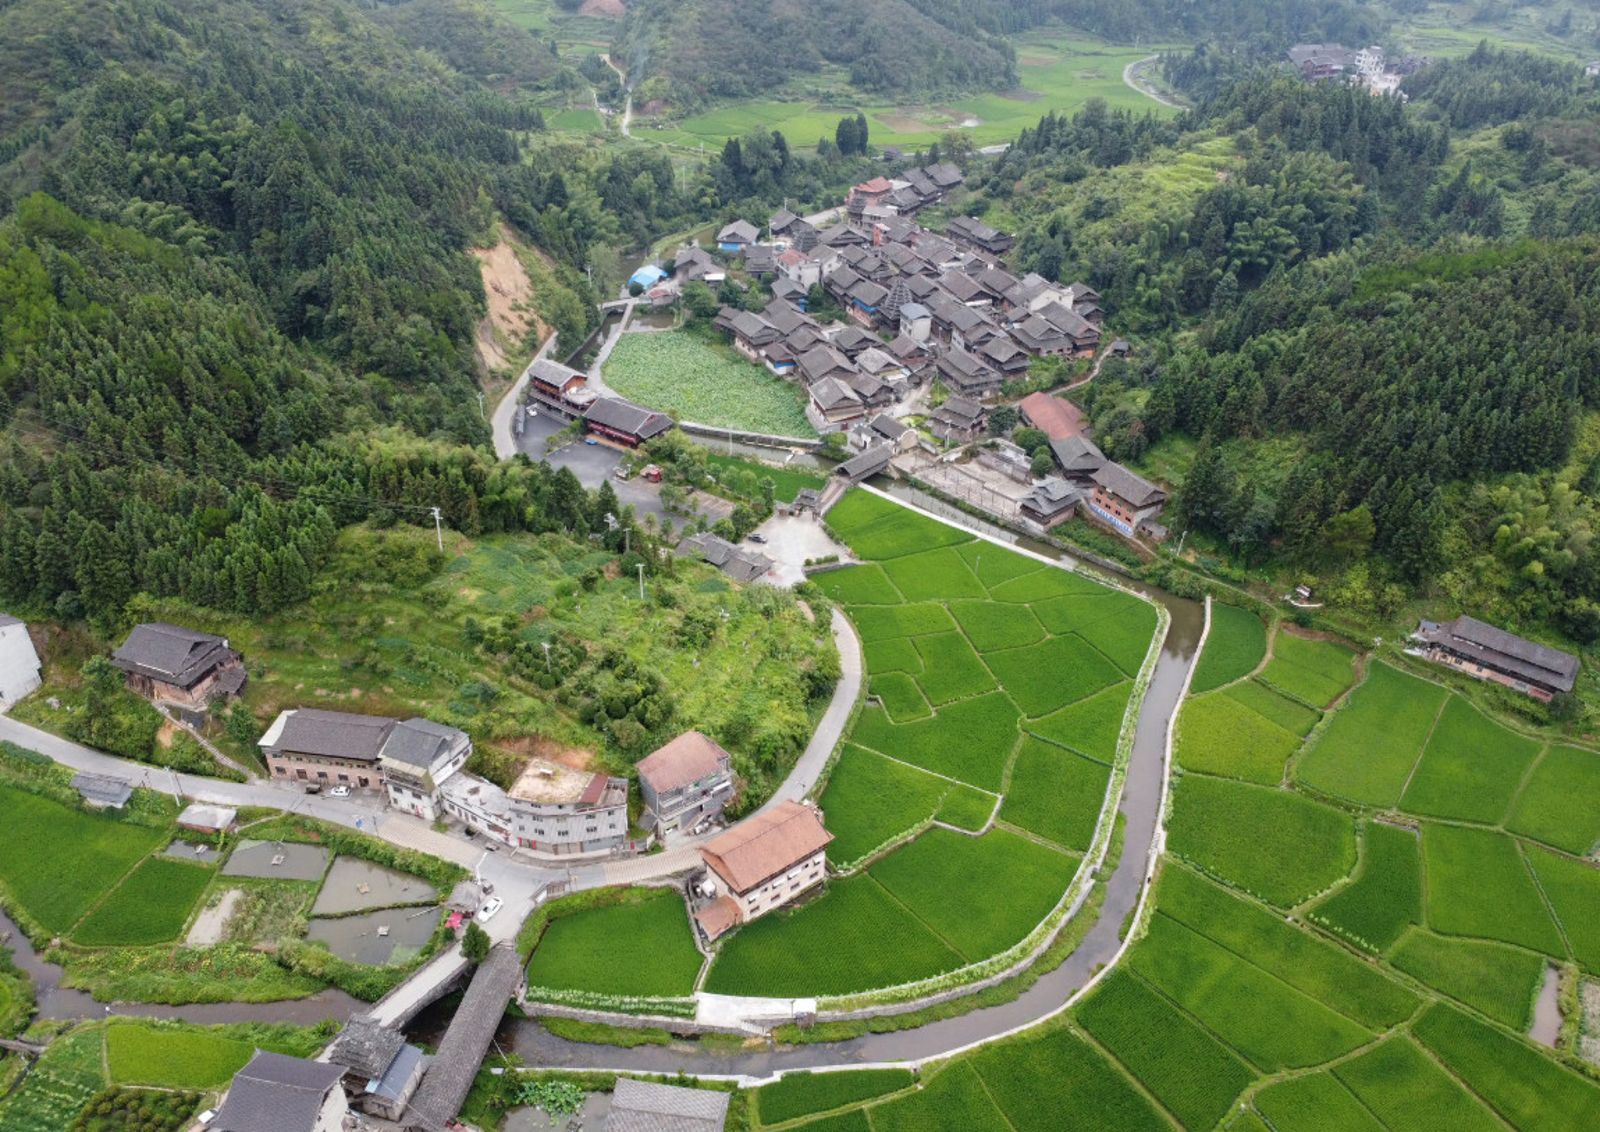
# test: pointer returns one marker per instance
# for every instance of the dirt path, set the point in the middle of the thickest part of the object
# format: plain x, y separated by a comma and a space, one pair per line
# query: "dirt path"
627, 100
208, 925
1132, 79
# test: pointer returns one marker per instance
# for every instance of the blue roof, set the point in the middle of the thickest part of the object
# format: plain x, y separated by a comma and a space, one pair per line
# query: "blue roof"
647, 276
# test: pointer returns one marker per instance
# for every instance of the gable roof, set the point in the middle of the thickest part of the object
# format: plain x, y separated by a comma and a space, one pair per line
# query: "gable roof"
644, 1106
275, 1093
1078, 454
961, 411
365, 1046
102, 789
781, 220
336, 734
172, 654
1529, 659
625, 416
1056, 417
765, 844
554, 373
688, 758
420, 742
737, 232
448, 1079
1119, 481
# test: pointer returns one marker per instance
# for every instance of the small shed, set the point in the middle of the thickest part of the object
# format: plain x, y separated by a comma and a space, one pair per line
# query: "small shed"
101, 791
201, 818
647, 277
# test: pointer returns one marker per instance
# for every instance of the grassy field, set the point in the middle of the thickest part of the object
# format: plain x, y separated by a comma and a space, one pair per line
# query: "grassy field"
942, 877
892, 654
1369, 747
1573, 889
1055, 794
859, 585
800, 1094
833, 945
1219, 733
1315, 1103
1470, 769
1265, 1020
951, 669
900, 697
1190, 1072
1277, 845
1531, 1091
1052, 674
1091, 726
1037, 1079
871, 799
886, 622
1058, 72
1557, 804
151, 906
934, 575
73, 857
1234, 648
1386, 895
970, 740
877, 528
173, 1057
1495, 978
1264, 939
1313, 672
991, 626
1404, 1088
683, 374
953, 1101
637, 947
787, 482
1478, 886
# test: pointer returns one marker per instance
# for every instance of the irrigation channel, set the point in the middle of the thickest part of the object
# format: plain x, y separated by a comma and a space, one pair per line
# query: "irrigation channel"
1140, 807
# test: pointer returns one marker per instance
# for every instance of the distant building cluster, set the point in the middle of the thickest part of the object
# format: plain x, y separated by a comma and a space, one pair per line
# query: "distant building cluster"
1365, 67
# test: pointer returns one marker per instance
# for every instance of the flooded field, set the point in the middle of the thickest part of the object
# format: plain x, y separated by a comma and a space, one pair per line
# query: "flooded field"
354, 885
189, 851
277, 860
377, 938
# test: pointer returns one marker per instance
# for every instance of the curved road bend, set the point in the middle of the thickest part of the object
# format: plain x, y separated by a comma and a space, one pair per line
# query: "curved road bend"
1141, 803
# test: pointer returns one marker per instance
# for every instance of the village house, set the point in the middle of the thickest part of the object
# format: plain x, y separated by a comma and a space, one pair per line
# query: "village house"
200, 817
738, 563
381, 1071
416, 759
960, 420
1056, 417
749, 332
694, 264
550, 809
645, 1106
685, 782
19, 661
787, 290
276, 1093
1488, 653
966, 375
554, 383
312, 745
867, 464
883, 429
1052, 501
762, 863
624, 422
832, 404
781, 222
171, 664
916, 322
1004, 356
735, 237
1124, 500
876, 362
1321, 60
978, 236
102, 791
761, 261
1079, 458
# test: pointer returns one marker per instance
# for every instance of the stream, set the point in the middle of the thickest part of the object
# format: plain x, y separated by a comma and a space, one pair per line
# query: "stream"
1140, 806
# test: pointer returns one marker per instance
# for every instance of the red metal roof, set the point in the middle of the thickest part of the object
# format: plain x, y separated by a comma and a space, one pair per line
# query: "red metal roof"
1056, 417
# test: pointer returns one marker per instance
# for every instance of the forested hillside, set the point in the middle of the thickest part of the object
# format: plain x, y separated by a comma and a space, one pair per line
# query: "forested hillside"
1371, 323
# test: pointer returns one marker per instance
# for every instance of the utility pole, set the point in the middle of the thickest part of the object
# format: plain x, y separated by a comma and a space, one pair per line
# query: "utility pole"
641, 581
438, 527
546, 646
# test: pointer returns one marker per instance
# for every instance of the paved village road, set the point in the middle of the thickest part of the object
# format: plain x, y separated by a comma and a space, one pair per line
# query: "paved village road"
1052, 993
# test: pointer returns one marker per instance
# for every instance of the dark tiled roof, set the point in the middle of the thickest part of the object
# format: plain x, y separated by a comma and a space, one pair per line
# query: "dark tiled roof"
171, 653
1119, 481
340, 734
1533, 662
274, 1093
365, 1046
643, 1106
1078, 454
419, 742
465, 1043
625, 416
102, 789
868, 463
960, 411
739, 231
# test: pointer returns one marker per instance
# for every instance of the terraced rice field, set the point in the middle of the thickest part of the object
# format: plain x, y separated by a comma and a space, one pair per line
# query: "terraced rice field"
637, 947
966, 643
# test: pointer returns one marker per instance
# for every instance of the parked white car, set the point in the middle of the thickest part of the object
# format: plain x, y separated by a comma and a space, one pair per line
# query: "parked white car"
339, 792
490, 909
